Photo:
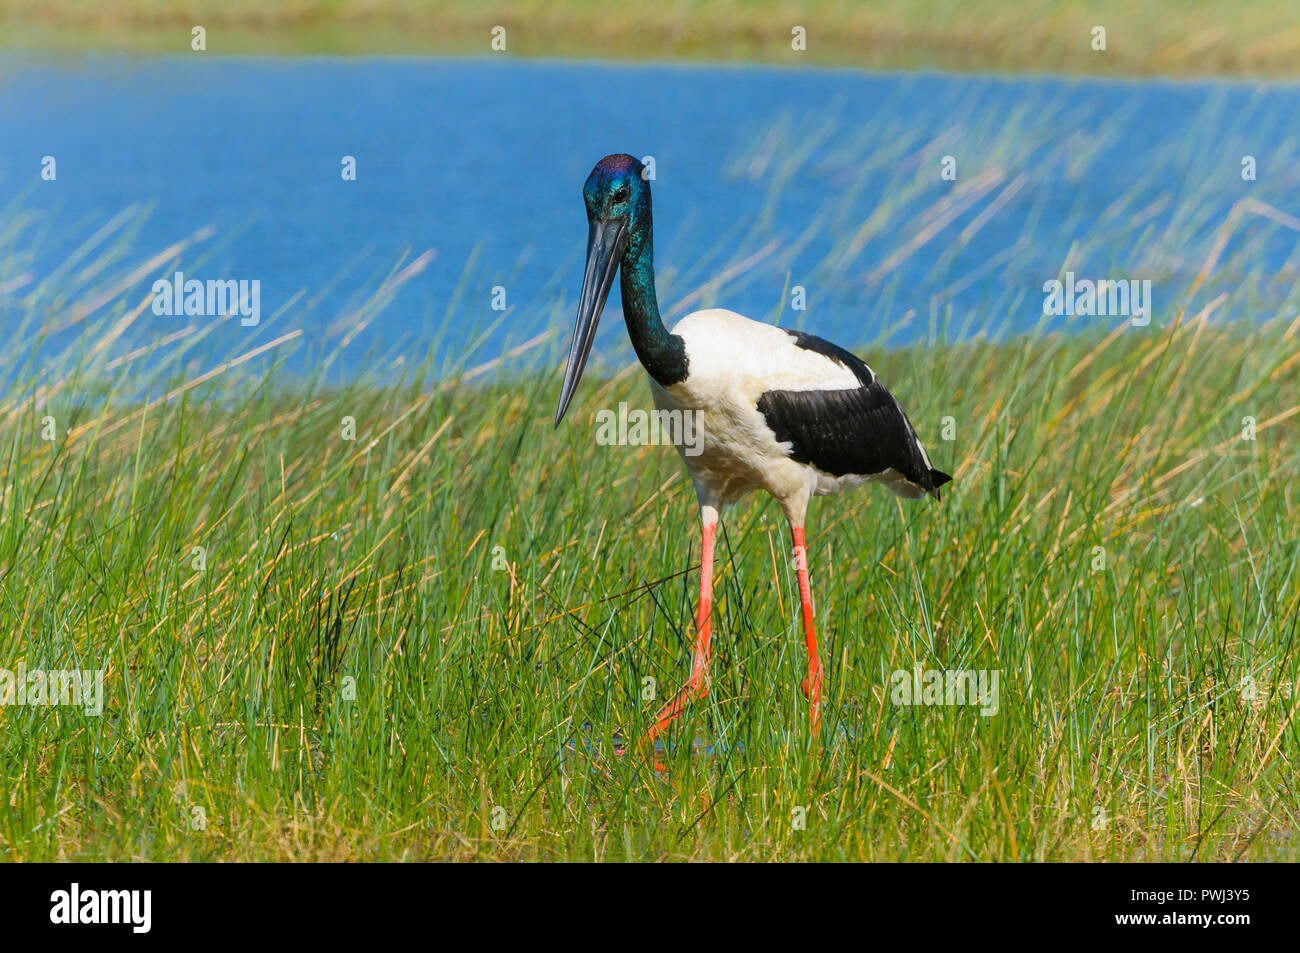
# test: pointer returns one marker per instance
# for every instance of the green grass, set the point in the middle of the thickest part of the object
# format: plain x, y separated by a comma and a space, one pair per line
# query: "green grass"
329, 559
1207, 37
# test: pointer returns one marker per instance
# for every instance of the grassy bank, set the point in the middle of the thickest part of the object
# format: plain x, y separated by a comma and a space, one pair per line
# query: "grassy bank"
1211, 37
387, 644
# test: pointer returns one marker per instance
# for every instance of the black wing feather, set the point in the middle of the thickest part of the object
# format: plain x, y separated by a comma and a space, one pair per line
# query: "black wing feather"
858, 431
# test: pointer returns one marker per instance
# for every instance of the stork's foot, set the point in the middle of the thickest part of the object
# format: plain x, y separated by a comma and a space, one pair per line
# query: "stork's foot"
696, 688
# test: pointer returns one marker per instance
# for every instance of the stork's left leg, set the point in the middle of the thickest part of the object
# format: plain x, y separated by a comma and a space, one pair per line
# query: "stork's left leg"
698, 686
812, 683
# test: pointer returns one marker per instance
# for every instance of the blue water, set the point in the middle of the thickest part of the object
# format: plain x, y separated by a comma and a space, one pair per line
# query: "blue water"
483, 161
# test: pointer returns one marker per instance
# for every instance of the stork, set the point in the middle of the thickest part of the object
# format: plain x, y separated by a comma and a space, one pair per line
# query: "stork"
778, 410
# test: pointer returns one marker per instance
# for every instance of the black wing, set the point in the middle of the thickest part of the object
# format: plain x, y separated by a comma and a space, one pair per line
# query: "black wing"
857, 431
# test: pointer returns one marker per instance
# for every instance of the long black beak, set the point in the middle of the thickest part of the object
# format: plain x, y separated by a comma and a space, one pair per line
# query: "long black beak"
606, 242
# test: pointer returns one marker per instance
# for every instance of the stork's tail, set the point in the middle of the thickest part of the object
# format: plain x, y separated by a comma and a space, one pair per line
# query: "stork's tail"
937, 479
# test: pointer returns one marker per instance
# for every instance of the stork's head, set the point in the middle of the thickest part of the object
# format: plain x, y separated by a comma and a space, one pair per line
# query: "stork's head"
617, 189
618, 212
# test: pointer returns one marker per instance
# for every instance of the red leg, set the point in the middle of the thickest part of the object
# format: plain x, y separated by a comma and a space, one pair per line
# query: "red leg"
812, 683
698, 686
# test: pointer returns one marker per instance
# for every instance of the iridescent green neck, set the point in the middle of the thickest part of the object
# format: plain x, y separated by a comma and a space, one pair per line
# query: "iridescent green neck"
660, 352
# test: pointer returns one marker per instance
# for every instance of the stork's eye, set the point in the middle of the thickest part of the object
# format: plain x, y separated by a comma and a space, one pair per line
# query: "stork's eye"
621, 193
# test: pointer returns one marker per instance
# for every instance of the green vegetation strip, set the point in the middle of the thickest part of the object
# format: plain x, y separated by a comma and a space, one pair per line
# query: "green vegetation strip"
1206, 38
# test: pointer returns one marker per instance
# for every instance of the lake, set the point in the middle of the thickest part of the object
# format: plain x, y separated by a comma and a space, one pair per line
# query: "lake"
829, 181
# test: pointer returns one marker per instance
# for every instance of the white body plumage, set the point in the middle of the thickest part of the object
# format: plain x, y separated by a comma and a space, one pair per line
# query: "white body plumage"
733, 362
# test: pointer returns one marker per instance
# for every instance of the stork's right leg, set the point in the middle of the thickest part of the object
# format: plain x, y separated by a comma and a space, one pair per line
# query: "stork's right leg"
812, 683
698, 686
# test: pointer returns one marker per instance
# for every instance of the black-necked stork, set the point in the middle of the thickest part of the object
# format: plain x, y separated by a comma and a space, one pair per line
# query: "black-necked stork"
778, 410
